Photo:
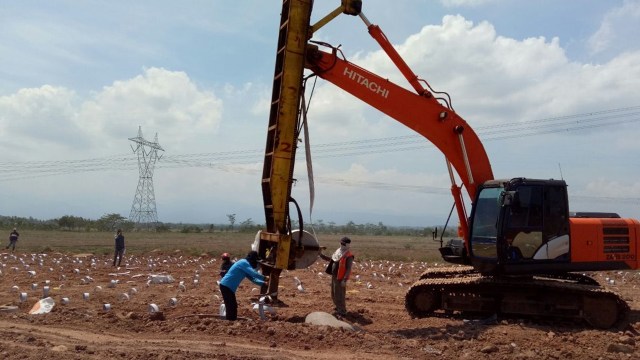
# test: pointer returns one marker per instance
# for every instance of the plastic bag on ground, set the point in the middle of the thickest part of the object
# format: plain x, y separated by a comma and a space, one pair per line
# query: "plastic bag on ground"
43, 306
161, 279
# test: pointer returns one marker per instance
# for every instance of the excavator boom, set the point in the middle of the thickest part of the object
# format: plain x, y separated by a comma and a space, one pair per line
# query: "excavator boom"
421, 113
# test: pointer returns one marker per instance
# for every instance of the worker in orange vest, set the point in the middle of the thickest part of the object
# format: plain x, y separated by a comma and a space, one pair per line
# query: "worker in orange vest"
340, 264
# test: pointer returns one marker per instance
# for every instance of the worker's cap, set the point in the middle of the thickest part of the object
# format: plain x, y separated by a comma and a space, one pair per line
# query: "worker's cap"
345, 240
225, 256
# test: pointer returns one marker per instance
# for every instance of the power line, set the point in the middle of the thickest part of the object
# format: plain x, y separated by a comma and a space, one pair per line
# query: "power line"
560, 124
233, 161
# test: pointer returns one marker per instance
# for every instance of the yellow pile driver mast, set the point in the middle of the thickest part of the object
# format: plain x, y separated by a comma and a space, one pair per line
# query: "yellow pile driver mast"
279, 247
275, 247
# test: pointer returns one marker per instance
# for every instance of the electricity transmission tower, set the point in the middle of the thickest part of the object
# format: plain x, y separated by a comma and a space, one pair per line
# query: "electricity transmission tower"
143, 211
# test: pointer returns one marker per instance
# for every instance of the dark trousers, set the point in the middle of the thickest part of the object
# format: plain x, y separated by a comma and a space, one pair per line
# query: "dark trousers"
118, 255
12, 245
230, 303
338, 295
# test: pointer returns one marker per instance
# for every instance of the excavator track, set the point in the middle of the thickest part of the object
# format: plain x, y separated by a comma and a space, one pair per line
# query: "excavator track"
529, 297
577, 278
469, 271
447, 272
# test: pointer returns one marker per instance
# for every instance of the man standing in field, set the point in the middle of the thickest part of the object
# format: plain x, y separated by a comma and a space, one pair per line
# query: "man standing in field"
13, 239
340, 264
119, 247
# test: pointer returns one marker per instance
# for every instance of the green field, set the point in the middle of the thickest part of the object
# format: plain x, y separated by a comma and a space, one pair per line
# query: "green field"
396, 248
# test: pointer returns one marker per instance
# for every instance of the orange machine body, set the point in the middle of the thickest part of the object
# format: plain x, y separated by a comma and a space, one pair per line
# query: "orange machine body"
605, 240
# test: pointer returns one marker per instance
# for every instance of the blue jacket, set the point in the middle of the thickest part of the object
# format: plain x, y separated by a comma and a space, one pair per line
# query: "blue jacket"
238, 271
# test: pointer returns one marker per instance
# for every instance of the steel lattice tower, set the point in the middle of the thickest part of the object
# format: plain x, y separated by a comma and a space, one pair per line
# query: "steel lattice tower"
143, 211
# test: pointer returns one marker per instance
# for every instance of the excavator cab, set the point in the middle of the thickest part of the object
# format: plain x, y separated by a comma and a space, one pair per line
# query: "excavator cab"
519, 226
532, 255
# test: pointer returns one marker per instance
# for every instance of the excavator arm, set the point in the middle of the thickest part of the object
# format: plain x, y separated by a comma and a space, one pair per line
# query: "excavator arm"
417, 110
421, 113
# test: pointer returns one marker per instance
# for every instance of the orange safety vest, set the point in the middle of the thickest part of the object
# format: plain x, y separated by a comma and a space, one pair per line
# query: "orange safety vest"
342, 266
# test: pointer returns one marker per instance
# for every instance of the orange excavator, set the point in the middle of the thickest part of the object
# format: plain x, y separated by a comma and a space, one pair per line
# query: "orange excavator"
525, 252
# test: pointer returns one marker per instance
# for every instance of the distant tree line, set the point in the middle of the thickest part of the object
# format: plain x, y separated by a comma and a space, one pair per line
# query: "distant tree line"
108, 222
111, 222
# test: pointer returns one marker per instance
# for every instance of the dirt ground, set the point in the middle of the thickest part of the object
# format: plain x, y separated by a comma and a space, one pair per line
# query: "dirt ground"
191, 329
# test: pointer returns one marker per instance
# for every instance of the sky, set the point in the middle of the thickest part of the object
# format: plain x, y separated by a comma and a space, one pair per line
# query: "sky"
551, 87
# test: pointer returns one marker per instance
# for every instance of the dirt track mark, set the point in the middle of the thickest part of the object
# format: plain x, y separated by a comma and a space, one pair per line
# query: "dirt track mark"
50, 336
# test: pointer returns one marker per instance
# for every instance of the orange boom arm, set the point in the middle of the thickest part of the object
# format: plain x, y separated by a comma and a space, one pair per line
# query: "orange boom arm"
424, 114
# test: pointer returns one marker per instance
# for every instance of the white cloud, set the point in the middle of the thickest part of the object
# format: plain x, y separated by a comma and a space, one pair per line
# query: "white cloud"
495, 79
619, 29
36, 115
159, 100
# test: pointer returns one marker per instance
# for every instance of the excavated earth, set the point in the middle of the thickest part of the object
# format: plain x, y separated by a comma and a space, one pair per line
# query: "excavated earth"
191, 328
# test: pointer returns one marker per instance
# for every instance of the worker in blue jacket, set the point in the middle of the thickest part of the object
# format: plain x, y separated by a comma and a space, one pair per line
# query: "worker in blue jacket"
240, 270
